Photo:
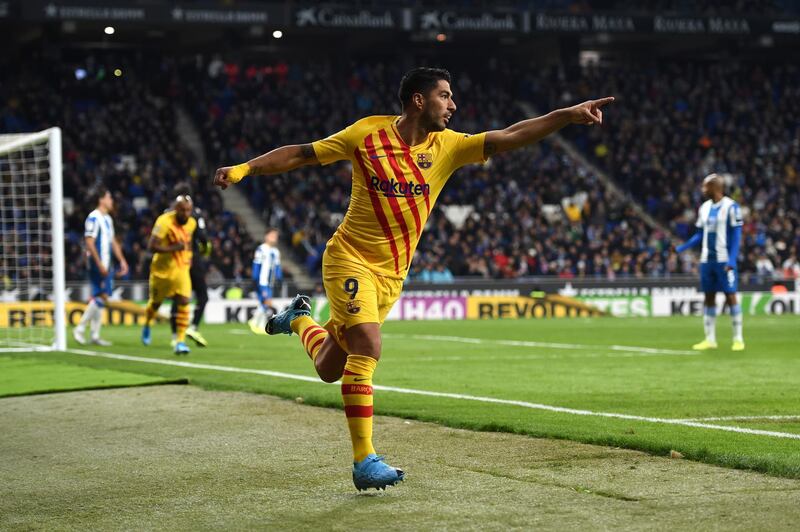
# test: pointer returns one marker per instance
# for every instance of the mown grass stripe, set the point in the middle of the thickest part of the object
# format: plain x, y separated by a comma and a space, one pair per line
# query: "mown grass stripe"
463, 397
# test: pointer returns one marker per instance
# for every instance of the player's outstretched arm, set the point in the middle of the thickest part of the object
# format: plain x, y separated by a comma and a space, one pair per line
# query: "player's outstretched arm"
535, 129
277, 161
696, 240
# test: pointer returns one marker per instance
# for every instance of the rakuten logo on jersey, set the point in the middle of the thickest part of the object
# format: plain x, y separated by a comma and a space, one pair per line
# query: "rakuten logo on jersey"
396, 189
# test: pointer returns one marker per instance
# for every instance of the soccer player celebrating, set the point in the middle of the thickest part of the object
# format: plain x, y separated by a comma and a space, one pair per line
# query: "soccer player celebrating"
400, 165
266, 270
100, 243
171, 244
719, 221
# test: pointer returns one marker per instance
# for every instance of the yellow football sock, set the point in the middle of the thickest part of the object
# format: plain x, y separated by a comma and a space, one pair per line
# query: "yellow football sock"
357, 397
311, 334
181, 322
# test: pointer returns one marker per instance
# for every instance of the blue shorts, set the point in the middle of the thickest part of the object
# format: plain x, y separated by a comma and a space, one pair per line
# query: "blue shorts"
714, 278
264, 292
100, 284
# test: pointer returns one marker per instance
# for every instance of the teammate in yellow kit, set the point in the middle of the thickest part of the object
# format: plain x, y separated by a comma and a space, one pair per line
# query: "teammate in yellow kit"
171, 244
400, 165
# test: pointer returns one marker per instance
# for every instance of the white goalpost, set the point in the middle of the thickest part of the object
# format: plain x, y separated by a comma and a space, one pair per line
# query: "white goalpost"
32, 287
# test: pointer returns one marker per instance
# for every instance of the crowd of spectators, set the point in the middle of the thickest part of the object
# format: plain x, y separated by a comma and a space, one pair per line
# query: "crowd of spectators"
677, 122
535, 211
119, 128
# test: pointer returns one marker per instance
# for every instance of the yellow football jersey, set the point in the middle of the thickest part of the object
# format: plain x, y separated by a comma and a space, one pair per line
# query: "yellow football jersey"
394, 188
170, 231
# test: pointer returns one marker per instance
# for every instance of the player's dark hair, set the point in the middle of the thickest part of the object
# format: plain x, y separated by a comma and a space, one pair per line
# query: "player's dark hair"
271, 229
96, 192
420, 80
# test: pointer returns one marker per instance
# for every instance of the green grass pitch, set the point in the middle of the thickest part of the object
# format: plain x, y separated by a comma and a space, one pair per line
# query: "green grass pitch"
586, 368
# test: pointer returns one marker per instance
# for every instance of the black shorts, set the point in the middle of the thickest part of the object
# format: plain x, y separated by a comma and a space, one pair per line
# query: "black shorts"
198, 275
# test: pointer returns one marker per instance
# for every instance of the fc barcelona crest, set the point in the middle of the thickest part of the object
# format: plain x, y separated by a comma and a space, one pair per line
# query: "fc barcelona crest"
353, 307
424, 160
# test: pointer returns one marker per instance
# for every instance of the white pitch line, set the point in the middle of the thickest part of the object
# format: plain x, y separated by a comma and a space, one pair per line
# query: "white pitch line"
641, 351
527, 356
493, 400
742, 418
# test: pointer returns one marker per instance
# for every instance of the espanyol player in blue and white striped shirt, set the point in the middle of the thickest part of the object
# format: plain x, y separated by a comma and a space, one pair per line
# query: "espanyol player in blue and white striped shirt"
266, 270
719, 221
100, 243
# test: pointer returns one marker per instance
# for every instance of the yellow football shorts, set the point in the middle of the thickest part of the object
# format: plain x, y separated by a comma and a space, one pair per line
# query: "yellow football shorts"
356, 294
179, 283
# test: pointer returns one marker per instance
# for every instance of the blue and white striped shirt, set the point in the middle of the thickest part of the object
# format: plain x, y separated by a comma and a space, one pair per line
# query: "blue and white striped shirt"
717, 221
100, 227
268, 259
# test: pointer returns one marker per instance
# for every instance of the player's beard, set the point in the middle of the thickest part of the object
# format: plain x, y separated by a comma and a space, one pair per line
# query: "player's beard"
435, 122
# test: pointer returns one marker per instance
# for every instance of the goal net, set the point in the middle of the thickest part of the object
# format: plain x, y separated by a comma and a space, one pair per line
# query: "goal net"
32, 292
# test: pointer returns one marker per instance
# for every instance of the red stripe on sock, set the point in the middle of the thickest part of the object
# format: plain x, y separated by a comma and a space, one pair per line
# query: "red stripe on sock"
358, 411
307, 331
313, 335
316, 345
348, 372
356, 389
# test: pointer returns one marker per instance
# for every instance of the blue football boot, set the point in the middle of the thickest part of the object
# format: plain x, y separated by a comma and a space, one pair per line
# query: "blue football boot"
372, 472
181, 348
146, 339
281, 322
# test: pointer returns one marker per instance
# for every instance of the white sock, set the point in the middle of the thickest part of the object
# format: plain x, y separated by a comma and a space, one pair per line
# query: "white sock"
710, 323
97, 320
736, 318
88, 313
258, 316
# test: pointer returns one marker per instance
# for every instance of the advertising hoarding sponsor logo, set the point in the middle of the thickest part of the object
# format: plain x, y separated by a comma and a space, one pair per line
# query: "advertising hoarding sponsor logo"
94, 12
334, 17
786, 26
715, 25
584, 23
431, 308
219, 16
621, 307
752, 303
240, 311
40, 313
474, 21
550, 306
